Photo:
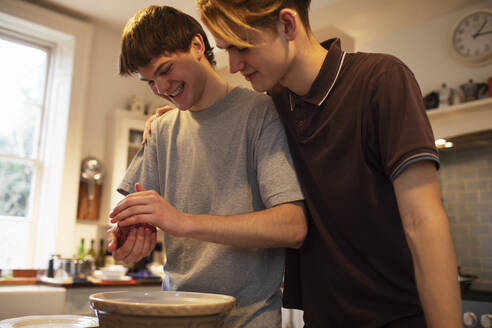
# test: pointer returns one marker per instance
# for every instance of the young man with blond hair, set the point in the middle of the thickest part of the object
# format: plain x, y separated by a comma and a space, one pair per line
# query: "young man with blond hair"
379, 251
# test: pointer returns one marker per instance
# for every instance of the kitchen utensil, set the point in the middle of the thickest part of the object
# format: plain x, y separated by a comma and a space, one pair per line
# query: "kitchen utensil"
474, 91
431, 100
75, 268
125, 309
469, 90
483, 90
92, 173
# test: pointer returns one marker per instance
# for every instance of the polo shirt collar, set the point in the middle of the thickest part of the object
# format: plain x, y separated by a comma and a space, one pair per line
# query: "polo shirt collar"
328, 74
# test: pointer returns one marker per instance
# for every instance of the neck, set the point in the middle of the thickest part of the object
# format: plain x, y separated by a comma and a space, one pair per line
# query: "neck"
214, 89
305, 66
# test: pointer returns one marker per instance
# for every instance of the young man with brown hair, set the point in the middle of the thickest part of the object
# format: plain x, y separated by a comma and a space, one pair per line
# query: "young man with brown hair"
379, 251
216, 175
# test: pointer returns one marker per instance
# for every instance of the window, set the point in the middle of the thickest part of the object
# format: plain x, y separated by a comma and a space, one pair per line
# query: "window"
45, 68
24, 68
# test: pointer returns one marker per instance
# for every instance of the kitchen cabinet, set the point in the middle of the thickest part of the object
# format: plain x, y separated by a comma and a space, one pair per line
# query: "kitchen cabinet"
23, 300
465, 118
124, 136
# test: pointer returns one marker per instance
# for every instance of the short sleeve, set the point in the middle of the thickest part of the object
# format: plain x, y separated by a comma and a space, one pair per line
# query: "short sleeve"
398, 124
143, 168
276, 175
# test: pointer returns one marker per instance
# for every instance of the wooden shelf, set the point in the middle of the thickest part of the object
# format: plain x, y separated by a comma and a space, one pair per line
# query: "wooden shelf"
465, 118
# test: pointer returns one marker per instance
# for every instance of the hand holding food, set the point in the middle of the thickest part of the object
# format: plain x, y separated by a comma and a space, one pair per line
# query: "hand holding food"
149, 207
123, 232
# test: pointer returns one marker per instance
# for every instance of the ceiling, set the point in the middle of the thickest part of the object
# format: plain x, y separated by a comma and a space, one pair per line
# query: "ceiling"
364, 20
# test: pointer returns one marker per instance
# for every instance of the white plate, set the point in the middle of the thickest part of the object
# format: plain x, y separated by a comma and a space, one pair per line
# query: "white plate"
122, 278
51, 321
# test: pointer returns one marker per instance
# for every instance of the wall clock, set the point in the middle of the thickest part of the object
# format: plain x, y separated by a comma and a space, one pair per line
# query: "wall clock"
471, 37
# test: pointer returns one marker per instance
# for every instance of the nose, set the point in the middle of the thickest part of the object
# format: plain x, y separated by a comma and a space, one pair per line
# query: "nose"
236, 63
160, 86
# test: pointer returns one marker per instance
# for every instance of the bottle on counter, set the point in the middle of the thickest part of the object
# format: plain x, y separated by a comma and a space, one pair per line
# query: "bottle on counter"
81, 252
101, 255
109, 259
92, 252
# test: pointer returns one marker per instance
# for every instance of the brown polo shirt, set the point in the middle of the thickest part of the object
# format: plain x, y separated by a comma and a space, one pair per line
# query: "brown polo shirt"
362, 122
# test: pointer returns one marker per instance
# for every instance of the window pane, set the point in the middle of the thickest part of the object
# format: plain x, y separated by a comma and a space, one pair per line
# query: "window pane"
22, 83
14, 242
23, 70
19, 129
15, 189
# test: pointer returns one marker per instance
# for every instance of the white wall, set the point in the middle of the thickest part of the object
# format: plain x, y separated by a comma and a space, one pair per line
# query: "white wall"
426, 51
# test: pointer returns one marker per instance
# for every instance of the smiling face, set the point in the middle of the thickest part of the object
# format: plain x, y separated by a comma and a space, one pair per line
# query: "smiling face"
178, 78
263, 65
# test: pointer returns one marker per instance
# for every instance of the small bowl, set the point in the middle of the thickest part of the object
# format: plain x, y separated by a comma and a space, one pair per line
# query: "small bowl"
126, 309
114, 272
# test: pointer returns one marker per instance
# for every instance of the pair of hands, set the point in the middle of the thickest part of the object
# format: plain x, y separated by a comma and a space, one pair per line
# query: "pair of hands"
144, 207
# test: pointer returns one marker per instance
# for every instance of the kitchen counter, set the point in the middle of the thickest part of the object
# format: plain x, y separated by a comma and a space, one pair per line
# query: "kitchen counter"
78, 283
92, 281
18, 281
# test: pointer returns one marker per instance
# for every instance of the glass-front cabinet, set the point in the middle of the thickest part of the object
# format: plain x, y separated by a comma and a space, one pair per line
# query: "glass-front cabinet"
124, 137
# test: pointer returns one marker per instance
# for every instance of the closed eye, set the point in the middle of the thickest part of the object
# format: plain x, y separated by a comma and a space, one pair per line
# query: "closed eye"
166, 70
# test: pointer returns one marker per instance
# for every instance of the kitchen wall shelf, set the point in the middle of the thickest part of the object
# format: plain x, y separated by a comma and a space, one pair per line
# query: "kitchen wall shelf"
465, 118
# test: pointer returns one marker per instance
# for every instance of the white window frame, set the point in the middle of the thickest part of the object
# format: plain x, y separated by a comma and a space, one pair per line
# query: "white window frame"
63, 123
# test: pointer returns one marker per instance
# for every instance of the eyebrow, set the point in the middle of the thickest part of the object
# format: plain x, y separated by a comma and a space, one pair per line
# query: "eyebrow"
156, 70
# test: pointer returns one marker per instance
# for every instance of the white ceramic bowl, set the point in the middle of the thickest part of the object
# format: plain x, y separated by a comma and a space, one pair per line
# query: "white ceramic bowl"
114, 272
127, 309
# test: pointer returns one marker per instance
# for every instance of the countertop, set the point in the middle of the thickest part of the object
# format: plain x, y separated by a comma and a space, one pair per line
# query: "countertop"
78, 282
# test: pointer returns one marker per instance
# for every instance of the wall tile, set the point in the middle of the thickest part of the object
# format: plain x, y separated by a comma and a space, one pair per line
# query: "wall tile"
466, 189
476, 185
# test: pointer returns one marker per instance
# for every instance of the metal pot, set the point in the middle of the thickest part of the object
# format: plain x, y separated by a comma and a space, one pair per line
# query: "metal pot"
75, 268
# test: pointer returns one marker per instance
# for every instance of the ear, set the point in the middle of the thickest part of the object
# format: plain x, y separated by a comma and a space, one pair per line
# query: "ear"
288, 24
197, 46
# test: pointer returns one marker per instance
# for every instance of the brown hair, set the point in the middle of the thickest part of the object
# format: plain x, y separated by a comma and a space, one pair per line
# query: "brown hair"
155, 31
225, 17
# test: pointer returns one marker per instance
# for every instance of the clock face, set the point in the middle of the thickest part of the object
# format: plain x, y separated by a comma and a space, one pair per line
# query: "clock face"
472, 36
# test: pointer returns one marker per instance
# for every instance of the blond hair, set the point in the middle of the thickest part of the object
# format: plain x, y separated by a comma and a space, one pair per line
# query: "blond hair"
225, 18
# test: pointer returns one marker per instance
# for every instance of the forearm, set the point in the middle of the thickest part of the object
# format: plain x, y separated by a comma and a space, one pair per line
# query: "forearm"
280, 226
436, 271
429, 239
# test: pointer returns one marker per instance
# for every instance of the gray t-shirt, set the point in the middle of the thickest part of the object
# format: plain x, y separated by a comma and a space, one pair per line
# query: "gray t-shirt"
229, 159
